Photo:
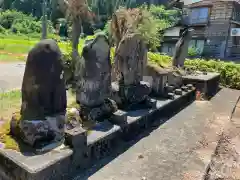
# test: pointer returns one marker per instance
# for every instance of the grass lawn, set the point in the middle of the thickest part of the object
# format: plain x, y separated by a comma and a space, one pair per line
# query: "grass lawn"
10, 103
17, 48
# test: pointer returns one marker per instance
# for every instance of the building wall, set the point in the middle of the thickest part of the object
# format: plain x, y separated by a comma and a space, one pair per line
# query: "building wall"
218, 30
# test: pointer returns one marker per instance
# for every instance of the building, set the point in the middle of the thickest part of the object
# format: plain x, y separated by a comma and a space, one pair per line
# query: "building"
214, 22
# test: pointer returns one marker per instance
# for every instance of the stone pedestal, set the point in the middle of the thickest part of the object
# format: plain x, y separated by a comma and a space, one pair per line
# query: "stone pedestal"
207, 84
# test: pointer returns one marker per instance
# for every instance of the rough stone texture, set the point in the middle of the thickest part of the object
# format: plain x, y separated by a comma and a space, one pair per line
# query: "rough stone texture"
129, 66
43, 87
172, 151
207, 84
93, 75
175, 79
157, 77
43, 96
130, 59
181, 51
38, 131
18, 166
76, 137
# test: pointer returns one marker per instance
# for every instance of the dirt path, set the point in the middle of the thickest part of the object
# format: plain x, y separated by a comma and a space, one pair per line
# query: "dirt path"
13, 54
11, 75
225, 164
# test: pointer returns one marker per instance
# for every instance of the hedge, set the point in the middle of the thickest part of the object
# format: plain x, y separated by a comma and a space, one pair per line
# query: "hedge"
229, 71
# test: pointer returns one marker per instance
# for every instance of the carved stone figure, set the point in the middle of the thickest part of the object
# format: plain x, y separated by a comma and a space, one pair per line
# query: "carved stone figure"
181, 51
43, 96
93, 75
129, 66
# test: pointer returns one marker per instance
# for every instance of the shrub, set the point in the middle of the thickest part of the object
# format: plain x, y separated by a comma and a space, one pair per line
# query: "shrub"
229, 71
2, 30
19, 22
139, 20
7, 17
192, 52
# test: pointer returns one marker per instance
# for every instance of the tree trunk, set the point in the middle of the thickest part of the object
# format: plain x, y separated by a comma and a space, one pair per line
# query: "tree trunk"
44, 20
76, 31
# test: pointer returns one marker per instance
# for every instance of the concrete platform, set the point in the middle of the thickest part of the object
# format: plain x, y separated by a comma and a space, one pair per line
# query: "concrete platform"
173, 151
207, 84
99, 143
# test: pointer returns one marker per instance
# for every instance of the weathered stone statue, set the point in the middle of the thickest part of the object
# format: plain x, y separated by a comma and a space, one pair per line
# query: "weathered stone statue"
43, 97
93, 76
129, 65
181, 50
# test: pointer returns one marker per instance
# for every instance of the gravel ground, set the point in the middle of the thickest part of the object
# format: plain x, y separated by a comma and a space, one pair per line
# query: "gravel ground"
11, 75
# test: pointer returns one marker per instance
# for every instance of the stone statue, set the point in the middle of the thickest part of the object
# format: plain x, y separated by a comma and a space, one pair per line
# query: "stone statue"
93, 80
130, 62
43, 97
181, 50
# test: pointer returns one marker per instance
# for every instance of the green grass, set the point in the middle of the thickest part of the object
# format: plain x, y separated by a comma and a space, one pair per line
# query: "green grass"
16, 49
9, 103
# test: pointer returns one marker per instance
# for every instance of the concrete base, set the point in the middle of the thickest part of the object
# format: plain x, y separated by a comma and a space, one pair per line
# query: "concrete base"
207, 84
85, 147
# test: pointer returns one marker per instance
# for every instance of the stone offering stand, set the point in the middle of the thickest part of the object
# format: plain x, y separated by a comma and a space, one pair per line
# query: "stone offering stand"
206, 83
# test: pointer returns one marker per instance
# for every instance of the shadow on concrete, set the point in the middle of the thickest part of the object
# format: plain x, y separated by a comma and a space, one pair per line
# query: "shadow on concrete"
123, 146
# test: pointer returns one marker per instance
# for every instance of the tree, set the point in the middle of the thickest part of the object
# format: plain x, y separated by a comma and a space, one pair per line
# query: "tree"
78, 12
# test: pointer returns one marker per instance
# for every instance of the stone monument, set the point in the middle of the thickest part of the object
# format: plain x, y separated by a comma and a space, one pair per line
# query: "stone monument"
42, 115
93, 80
181, 50
130, 61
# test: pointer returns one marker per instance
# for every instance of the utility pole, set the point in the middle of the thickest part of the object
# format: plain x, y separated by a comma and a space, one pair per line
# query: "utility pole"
44, 19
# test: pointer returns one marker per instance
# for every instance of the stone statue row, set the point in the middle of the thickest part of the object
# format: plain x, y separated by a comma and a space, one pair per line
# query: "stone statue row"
100, 89
44, 101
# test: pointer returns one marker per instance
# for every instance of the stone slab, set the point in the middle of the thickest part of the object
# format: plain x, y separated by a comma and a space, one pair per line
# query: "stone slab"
101, 131
18, 166
202, 77
101, 140
170, 152
207, 84
76, 137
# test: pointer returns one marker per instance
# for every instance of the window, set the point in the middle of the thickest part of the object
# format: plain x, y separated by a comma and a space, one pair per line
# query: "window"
197, 44
236, 40
168, 49
199, 15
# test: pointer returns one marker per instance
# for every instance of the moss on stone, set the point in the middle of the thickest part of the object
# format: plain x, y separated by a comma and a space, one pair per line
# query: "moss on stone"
6, 138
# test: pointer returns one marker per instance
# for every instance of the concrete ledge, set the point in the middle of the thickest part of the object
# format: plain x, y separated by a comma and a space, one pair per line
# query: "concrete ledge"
87, 147
207, 84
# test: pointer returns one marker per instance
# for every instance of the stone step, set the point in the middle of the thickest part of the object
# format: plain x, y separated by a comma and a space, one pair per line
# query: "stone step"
181, 148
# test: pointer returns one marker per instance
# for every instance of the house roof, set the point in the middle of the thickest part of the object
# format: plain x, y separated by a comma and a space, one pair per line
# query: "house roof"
200, 4
203, 3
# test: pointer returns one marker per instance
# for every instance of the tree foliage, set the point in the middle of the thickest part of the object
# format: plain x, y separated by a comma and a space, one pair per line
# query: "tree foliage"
146, 20
18, 22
